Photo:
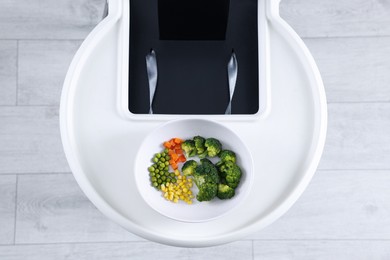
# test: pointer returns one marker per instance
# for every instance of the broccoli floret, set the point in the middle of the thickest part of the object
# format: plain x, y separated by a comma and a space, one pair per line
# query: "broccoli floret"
207, 192
227, 156
199, 144
201, 177
206, 179
213, 146
205, 172
230, 173
203, 155
225, 192
206, 161
189, 148
189, 168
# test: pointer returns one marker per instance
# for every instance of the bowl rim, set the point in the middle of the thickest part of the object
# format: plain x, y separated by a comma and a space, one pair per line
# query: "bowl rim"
248, 171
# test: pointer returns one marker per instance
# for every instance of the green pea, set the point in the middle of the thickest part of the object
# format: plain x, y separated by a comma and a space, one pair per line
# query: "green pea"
172, 175
152, 174
174, 180
155, 159
158, 155
151, 169
158, 176
166, 168
155, 184
159, 181
154, 179
167, 157
166, 150
157, 171
166, 163
162, 159
162, 165
163, 178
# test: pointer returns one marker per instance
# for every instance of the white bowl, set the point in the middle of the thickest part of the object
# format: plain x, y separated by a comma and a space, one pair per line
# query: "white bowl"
186, 129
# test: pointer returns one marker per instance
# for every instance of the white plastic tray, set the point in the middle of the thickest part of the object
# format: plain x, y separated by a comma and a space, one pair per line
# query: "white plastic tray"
101, 137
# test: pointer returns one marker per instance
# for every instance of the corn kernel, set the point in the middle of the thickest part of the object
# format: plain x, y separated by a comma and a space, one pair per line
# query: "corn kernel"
180, 190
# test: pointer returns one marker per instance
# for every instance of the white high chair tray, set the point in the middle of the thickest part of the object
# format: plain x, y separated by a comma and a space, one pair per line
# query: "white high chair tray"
101, 137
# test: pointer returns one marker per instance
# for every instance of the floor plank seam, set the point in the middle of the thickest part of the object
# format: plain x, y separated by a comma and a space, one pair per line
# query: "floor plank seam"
146, 242
41, 39
17, 73
38, 106
324, 37
253, 250
326, 239
78, 243
16, 207
356, 170
35, 173
359, 102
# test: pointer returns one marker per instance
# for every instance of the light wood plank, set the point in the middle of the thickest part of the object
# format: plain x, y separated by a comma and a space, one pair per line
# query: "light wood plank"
46, 19
51, 208
42, 69
318, 18
7, 208
321, 250
353, 69
338, 205
30, 140
8, 58
358, 137
116, 251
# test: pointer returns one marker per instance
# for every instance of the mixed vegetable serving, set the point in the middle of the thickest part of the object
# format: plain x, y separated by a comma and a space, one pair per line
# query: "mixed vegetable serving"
218, 180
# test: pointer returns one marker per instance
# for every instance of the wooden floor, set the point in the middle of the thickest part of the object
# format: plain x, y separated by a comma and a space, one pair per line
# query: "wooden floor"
344, 214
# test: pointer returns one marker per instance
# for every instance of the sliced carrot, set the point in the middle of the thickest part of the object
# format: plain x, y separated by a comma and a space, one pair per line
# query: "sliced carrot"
181, 159
178, 140
175, 152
